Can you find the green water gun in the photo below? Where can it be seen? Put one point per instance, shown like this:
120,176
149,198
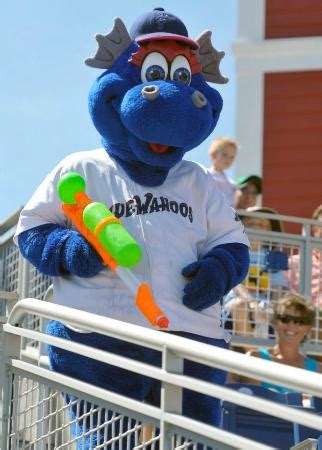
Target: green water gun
117,248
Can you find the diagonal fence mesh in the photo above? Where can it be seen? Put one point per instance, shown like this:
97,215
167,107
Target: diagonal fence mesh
40,417
277,266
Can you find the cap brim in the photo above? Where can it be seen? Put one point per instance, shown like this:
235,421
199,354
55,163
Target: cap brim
242,182
166,36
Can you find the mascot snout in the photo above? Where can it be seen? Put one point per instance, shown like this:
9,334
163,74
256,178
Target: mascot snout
185,118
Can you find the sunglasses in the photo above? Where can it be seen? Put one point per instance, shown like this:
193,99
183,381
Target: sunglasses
285,318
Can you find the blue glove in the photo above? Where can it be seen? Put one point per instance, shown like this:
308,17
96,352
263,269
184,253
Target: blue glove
55,250
79,257
214,275
276,260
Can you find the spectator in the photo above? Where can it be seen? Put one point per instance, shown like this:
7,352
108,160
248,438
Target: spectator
247,304
248,190
294,265
317,215
292,320
222,153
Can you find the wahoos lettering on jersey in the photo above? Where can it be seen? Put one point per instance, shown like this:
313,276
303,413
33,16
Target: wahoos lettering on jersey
151,204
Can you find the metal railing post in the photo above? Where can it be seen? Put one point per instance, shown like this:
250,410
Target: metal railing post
301,268
306,265
23,277
11,348
171,396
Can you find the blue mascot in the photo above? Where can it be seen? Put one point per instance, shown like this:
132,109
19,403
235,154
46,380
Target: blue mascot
151,105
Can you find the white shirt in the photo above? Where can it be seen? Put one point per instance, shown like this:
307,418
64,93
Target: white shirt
175,224
225,184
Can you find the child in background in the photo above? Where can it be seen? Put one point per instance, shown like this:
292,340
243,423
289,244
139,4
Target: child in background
222,154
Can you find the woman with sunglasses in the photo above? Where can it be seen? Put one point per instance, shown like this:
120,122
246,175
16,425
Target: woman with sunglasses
293,319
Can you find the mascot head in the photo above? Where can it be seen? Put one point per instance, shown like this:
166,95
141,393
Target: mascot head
152,104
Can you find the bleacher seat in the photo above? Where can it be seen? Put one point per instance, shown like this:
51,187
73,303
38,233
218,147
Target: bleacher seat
291,398
316,403
302,432
262,427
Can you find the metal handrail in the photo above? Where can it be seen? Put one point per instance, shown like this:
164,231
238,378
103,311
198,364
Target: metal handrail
297,379
180,348
282,217
258,404
10,221
143,411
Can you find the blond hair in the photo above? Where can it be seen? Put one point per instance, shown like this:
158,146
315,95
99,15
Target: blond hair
317,212
220,143
299,303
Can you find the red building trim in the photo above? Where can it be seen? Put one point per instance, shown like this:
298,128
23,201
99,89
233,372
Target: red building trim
293,18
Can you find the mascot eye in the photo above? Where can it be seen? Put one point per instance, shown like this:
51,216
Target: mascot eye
154,67
182,74
154,73
180,70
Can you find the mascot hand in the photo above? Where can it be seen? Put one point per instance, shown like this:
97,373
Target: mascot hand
56,250
79,257
214,275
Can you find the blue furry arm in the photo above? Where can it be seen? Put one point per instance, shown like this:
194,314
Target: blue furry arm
214,275
55,250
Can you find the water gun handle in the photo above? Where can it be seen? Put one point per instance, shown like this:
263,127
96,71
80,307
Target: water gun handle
93,221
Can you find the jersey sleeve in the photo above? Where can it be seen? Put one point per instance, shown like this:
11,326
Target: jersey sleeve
223,223
44,206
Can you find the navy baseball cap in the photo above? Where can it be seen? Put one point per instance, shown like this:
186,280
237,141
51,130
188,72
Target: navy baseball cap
159,25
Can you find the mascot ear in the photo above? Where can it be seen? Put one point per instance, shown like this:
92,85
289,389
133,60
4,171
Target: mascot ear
210,59
110,46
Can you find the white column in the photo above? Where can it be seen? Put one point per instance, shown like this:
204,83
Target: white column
249,89
249,123
251,19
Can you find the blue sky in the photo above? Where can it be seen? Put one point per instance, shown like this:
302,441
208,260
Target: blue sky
44,83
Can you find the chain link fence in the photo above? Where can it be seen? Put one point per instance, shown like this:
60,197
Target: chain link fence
41,417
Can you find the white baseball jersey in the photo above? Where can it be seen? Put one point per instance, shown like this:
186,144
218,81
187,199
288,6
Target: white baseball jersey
225,184
175,224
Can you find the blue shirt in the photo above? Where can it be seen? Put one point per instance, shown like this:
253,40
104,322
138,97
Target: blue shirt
310,364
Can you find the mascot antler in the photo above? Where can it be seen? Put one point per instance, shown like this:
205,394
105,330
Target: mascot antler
210,59
110,46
